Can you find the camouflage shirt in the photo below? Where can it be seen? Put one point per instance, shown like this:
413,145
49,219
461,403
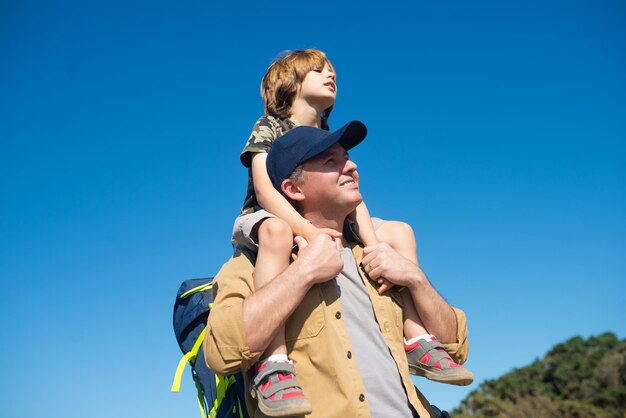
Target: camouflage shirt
266,130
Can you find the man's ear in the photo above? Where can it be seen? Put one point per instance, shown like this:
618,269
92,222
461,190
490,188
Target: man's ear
292,190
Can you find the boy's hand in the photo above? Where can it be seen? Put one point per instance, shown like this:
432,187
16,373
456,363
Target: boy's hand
384,285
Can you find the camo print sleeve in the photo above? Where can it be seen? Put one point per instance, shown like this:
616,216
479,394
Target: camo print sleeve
264,133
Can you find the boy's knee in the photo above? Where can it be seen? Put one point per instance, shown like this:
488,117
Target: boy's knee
401,238
396,233
275,232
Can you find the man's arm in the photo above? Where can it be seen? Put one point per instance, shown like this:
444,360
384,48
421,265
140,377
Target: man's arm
268,308
439,318
243,322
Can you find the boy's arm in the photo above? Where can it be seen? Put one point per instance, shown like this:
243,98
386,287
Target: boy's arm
273,201
365,227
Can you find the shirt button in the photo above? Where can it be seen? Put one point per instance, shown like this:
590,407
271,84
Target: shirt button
349,354
362,397
338,315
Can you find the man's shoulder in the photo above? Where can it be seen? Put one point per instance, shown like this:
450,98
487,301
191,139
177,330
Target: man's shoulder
241,265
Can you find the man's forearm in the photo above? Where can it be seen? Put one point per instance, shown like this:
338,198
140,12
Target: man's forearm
438,317
267,309
381,261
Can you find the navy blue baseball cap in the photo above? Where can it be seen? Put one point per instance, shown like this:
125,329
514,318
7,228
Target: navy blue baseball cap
305,142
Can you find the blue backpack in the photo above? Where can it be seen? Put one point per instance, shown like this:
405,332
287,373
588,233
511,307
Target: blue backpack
218,396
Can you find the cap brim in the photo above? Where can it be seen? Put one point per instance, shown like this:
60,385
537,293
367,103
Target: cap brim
351,134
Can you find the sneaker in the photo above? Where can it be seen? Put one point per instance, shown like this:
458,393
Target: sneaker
277,391
430,359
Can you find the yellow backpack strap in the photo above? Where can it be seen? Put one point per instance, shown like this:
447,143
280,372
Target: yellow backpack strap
191,355
221,386
201,402
240,410
187,358
197,289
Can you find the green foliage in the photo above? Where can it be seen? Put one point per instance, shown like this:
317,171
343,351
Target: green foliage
578,378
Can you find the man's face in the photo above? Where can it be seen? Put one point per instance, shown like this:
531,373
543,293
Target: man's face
331,182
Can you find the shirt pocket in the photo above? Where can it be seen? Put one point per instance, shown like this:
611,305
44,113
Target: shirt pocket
392,304
307,320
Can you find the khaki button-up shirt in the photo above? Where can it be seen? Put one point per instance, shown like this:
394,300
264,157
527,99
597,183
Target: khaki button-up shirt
317,341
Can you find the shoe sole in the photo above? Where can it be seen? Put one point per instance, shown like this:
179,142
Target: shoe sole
462,379
284,411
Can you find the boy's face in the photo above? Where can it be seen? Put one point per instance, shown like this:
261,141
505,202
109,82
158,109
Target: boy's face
319,87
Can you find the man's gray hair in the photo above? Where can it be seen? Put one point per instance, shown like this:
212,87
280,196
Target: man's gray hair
297,176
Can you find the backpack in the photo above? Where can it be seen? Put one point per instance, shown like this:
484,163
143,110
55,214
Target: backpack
218,396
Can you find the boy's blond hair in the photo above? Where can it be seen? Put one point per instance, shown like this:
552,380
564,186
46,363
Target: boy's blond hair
281,81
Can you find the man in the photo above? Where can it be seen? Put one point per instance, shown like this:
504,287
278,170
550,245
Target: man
345,339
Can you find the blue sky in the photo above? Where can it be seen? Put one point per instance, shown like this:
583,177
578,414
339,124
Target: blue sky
496,129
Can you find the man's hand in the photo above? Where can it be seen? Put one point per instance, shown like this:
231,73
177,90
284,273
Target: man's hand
320,260
384,264
267,309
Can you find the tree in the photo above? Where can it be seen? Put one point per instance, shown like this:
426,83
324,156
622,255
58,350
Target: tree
578,378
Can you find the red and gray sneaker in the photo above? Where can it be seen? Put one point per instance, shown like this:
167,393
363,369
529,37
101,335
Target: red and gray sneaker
277,391
430,359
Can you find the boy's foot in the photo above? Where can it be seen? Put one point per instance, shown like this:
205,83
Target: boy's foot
278,392
430,359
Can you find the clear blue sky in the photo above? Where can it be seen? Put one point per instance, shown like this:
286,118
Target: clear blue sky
496,129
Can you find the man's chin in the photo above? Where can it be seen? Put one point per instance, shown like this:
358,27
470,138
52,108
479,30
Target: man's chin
355,202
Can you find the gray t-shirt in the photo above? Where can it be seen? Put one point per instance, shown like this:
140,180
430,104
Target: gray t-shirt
383,385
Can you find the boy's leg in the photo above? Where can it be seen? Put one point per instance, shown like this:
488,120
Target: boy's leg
275,386
426,355
275,244
401,238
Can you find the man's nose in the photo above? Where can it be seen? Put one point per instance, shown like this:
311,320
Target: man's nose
350,166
